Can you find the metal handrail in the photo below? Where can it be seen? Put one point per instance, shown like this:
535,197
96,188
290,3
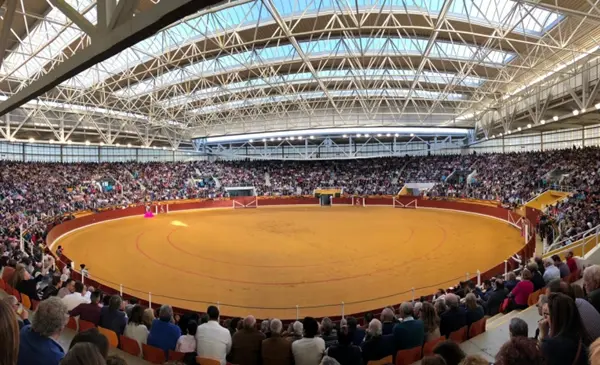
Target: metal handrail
578,240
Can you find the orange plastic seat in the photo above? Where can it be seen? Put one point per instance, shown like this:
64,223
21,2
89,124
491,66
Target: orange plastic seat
385,361
430,345
206,361
72,324
408,357
85,325
459,336
477,328
176,355
113,340
533,297
153,354
25,301
130,346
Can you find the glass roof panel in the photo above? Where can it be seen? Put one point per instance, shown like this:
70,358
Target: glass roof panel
320,48
326,76
364,93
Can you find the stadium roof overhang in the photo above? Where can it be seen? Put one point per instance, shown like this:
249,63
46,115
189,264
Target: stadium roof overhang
259,66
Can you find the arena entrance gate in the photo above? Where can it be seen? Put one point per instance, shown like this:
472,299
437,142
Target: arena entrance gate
326,195
242,196
411,204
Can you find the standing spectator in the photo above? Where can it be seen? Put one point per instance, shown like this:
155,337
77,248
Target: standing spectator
518,328
9,338
520,350
212,340
552,272
276,350
135,328
495,299
328,333
245,348
431,322
88,311
454,318
76,297
571,262
521,292
591,283
187,343
309,350
112,317
21,314
474,310
345,352
39,340
450,351
562,267
536,277
25,284
409,332
164,334
376,345
561,332
388,321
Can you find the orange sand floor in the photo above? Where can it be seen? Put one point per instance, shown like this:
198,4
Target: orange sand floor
266,261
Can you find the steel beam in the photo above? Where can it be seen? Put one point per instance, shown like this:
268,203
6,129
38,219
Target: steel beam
9,15
137,29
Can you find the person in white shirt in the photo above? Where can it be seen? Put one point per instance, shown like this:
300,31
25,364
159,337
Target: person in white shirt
187,343
212,340
74,299
135,328
310,349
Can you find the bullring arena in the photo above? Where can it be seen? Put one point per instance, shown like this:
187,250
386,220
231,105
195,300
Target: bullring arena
272,259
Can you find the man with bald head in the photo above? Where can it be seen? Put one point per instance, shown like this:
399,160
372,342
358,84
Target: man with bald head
410,332
454,318
246,343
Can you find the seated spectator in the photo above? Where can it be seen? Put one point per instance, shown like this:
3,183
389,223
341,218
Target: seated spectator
345,352
520,350
454,318
245,348
591,283
577,291
116,360
410,332
562,267
431,322
212,340
496,298
518,328
76,297
511,281
38,341
52,289
552,272
187,343
327,360
388,321
310,349
474,310
148,318
376,345
536,277
589,316
94,337
328,333
450,352
297,331
595,353
276,350
416,310
233,323
358,333
433,360
21,314
521,292
561,332
88,311
9,340
129,306
112,317
83,354
440,306
135,328
474,360
164,334
571,262
68,287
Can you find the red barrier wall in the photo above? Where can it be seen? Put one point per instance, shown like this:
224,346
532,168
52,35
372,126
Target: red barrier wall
498,212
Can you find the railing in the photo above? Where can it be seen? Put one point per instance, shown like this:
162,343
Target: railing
585,241
153,299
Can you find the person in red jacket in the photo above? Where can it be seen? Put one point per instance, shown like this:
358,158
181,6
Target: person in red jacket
571,263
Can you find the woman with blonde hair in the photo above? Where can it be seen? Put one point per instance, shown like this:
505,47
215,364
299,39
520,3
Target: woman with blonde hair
24,283
474,310
431,321
148,317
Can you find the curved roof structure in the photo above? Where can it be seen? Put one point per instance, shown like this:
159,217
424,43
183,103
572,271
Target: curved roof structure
251,66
